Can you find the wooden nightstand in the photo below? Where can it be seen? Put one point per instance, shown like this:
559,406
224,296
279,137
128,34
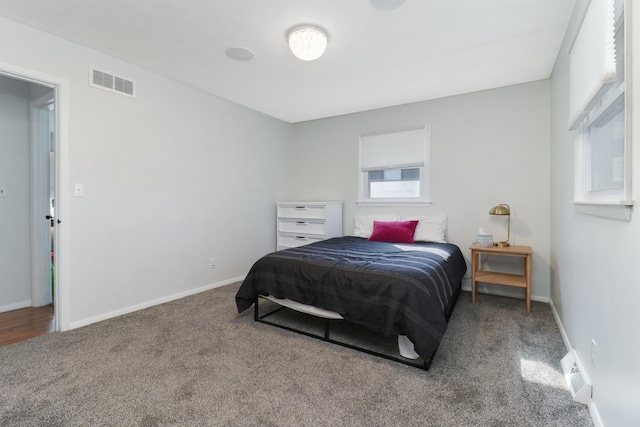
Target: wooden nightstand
507,279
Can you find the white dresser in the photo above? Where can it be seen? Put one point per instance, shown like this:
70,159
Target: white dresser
301,223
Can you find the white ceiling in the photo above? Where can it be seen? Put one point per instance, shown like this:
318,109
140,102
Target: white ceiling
424,49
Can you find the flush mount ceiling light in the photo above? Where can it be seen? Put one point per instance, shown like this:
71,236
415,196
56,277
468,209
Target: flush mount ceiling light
307,42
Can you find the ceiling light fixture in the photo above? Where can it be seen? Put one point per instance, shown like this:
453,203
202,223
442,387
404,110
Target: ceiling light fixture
307,42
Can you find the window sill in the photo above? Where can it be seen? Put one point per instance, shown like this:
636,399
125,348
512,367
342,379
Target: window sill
394,203
613,210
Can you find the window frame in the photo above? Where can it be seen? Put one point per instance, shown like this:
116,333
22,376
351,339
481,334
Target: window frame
613,202
424,166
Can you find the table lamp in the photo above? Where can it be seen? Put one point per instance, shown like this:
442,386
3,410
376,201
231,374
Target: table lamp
503,209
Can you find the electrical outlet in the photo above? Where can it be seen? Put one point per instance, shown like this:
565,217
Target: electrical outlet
594,354
212,263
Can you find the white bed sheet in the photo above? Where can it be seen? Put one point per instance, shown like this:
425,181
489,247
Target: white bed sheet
405,346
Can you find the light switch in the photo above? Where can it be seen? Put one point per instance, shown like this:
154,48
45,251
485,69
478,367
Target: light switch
78,190
3,191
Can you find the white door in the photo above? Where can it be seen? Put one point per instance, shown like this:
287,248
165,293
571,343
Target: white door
42,198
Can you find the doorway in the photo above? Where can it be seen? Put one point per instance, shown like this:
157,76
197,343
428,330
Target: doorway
30,296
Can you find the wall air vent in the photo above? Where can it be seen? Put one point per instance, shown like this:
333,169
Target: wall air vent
108,81
578,384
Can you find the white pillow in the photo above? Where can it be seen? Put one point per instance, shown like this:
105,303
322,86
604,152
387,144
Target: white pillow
364,223
430,228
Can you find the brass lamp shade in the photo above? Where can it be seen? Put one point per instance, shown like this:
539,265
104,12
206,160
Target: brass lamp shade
503,209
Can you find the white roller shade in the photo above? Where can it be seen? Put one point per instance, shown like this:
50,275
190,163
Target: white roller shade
393,150
592,61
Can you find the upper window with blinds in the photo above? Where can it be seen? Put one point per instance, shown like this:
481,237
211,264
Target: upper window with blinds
592,60
598,106
394,167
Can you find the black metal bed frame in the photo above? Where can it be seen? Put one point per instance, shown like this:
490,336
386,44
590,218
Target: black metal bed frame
425,365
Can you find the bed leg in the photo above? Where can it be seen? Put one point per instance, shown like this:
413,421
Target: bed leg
256,314
327,325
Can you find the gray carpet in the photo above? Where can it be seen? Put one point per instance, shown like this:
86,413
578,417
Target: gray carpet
196,362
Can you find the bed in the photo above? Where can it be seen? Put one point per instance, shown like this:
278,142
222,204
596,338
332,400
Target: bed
394,289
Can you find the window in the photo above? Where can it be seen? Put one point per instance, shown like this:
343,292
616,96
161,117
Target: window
394,167
602,157
394,183
605,138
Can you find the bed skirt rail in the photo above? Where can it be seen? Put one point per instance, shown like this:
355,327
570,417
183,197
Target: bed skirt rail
326,336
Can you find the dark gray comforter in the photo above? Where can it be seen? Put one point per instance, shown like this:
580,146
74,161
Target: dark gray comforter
395,289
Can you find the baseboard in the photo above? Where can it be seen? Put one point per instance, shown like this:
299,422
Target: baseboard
563,333
147,304
567,343
501,293
595,415
15,306
593,410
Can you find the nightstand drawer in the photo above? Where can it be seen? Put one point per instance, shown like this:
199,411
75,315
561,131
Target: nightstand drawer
301,227
293,241
301,211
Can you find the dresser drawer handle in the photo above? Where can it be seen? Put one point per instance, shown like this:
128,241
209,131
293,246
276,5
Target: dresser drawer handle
302,223
301,238
301,208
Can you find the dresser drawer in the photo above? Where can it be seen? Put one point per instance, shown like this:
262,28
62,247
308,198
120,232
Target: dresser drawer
301,211
302,222
301,227
293,241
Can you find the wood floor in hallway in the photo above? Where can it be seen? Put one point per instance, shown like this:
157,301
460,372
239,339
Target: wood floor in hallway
20,325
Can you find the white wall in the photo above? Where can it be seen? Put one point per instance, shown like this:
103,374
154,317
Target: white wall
172,178
15,246
595,282
487,148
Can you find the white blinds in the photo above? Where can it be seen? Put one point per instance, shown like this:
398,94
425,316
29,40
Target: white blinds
393,150
592,61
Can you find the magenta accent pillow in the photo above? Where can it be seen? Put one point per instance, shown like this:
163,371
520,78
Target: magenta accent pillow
393,232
